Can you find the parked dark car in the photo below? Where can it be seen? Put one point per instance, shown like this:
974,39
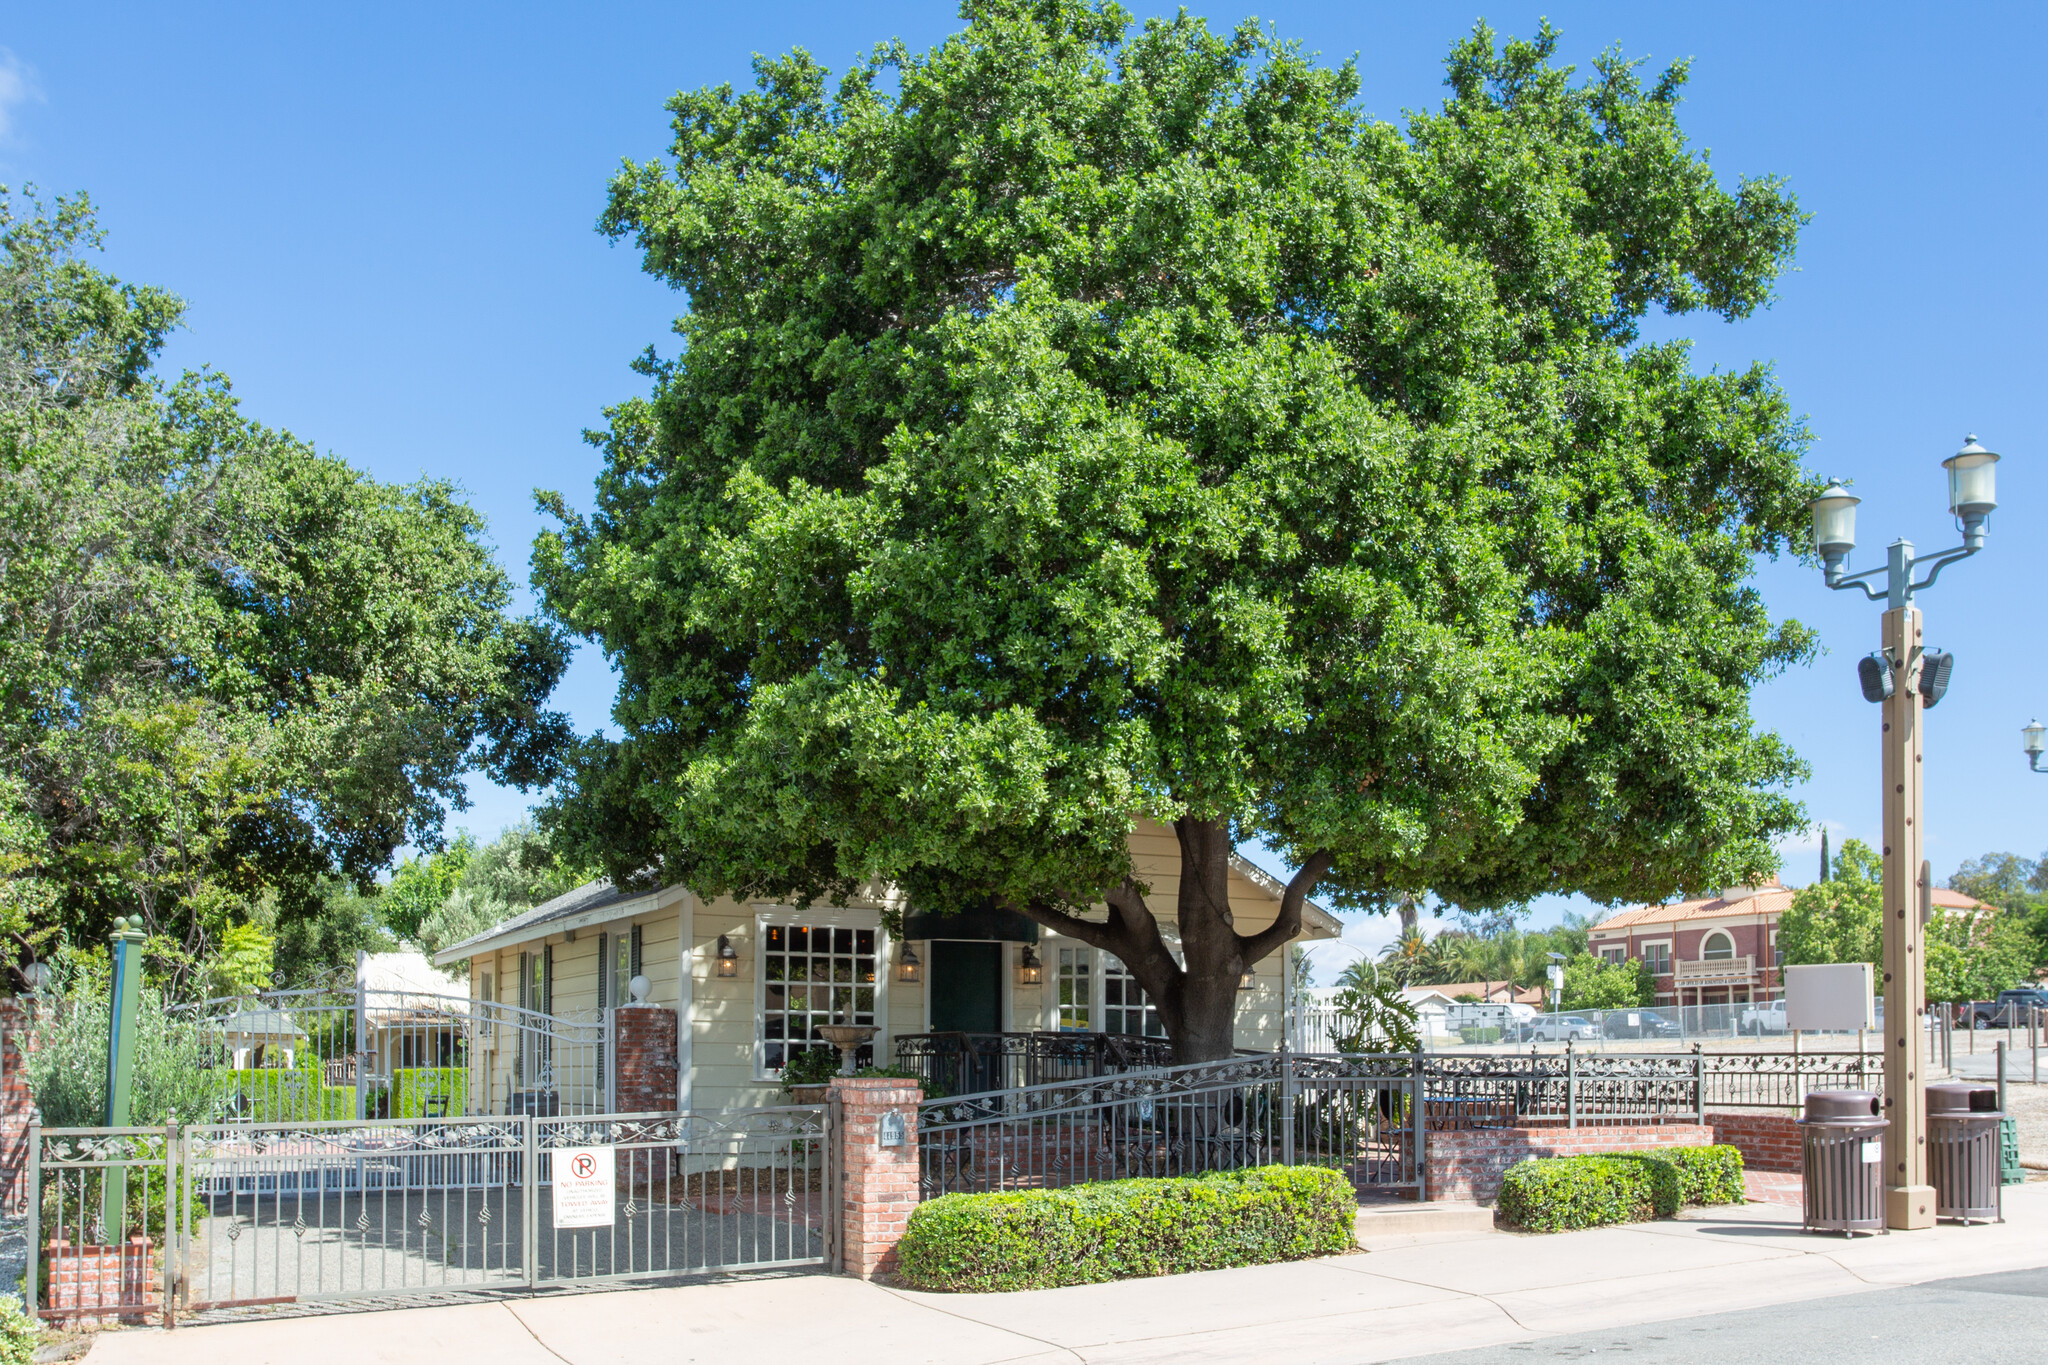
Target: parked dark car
2010,1009
1639,1024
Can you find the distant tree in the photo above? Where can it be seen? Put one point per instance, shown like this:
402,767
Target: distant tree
230,665
514,872
2012,883
1840,919
1593,983
1079,423
1974,956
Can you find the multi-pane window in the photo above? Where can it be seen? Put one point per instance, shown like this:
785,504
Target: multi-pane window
813,974
1076,984
1614,954
1658,958
1124,1006
1718,947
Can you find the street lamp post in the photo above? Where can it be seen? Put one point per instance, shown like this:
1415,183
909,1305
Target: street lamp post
1905,677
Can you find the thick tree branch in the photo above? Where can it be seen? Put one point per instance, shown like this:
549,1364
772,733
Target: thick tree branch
1072,926
1287,924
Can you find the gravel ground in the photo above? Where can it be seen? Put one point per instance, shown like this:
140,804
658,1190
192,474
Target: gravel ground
2028,1104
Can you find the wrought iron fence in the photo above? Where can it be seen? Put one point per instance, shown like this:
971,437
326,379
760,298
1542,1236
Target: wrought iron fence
143,1224
1357,1114
965,1063
327,1055
100,1204
1782,1080
696,1192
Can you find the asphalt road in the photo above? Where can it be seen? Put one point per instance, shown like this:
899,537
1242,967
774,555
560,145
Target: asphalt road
1984,1320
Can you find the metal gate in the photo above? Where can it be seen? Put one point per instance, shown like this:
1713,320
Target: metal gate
146,1224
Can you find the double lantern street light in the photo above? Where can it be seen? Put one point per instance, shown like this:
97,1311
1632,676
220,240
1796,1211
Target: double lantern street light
1906,678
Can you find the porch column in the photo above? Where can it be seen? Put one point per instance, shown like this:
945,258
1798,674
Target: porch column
876,1117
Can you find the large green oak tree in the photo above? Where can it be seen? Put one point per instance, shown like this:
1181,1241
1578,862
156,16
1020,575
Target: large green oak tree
1081,422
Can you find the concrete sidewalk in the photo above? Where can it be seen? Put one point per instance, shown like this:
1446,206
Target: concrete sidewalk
1402,1297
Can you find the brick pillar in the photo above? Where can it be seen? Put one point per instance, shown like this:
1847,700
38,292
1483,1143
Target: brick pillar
643,1059
877,1184
16,1104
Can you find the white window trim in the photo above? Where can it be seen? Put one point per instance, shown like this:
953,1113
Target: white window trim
1709,937
824,917
1664,943
1098,985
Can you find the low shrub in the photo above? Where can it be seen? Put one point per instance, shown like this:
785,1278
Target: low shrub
1556,1194
1707,1175
1559,1193
419,1092
1479,1035
19,1333
1120,1229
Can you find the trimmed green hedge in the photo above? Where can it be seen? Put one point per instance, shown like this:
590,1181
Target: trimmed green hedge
412,1087
1556,1194
1119,1229
1707,1175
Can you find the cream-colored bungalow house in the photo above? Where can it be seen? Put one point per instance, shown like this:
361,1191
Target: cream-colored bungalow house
751,981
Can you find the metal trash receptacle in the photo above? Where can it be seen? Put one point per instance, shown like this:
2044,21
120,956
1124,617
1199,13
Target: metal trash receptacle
1842,1152
1963,1122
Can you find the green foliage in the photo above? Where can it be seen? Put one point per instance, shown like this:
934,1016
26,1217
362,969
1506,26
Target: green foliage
514,872
243,962
414,1089
333,921
812,1066
1079,422
2018,886
1374,1016
1557,1194
1706,1175
284,1094
422,885
19,1333
67,1072
1592,983
229,664
1089,1234
1974,956
1840,919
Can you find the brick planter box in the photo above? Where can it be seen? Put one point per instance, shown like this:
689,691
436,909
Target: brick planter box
1768,1142
96,1285
1468,1164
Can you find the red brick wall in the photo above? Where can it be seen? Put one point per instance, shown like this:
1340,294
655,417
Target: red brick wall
1468,1165
16,1104
878,1185
1768,1142
96,1285
643,1059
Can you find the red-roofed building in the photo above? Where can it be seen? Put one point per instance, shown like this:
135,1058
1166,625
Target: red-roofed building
1722,950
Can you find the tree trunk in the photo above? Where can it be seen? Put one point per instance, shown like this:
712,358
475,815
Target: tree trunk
1196,997
1411,915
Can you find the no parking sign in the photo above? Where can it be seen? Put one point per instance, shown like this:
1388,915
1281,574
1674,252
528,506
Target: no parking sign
583,1187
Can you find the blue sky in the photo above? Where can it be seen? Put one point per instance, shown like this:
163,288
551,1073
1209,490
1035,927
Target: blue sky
382,216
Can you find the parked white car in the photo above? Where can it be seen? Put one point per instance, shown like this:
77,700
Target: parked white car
1557,1028
1765,1017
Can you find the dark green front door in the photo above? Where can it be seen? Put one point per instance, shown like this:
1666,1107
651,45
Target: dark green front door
967,987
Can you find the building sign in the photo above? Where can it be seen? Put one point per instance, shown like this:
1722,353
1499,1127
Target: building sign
583,1187
891,1134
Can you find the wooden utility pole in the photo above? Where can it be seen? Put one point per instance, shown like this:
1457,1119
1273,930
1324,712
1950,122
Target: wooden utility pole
1909,1199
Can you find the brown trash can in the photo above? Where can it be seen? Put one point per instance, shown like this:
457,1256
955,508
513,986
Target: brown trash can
1962,1151
1842,1151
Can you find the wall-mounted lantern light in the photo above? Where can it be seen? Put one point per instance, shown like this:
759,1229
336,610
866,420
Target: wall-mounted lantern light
1249,980
1029,970
908,968
728,958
